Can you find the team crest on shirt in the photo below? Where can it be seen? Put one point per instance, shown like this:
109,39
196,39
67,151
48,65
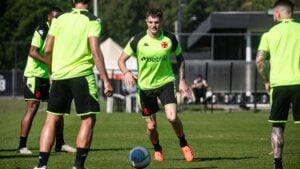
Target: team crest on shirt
164,44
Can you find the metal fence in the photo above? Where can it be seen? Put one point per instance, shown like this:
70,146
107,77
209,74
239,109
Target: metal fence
219,57
230,82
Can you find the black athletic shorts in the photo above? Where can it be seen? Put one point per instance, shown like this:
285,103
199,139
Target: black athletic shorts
82,89
36,88
282,98
148,98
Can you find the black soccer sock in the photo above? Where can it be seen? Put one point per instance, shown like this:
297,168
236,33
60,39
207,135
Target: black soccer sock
157,147
81,155
22,143
278,163
59,141
43,159
182,141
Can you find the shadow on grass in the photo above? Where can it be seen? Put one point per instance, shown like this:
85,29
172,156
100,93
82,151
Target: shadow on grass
197,159
293,152
15,150
8,150
111,149
192,168
17,156
222,158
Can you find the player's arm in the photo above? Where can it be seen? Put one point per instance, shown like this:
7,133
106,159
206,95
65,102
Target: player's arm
181,68
48,51
261,58
99,62
34,53
129,77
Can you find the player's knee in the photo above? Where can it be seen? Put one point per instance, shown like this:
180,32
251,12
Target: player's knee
88,120
151,126
33,106
172,117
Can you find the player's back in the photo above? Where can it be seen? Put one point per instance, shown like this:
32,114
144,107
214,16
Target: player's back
71,52
284,41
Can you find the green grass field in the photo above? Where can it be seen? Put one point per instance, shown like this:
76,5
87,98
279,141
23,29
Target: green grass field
219,140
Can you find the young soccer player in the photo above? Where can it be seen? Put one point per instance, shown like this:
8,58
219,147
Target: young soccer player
72,48
37,87
156,79
281,45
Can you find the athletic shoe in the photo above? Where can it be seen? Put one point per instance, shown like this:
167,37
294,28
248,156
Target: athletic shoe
187,152
65,148
158,156
44,167
24,150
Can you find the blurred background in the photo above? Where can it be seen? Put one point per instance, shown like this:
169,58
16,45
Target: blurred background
219,40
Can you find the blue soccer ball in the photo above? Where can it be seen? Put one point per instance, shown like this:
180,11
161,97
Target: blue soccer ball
139,157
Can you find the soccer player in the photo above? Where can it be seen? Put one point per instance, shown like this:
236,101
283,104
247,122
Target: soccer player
37,86
72,48
281,45
156,79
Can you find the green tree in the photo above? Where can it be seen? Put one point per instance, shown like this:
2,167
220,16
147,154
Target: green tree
121,19
17,25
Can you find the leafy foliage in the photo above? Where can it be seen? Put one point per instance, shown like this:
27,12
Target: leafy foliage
121,19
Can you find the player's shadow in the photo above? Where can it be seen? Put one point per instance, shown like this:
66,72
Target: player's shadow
18,156
8,150
192,168
293,152
222,158
218,158
9,154
111,149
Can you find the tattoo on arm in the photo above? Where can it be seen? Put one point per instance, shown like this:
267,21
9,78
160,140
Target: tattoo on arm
261,65
181,66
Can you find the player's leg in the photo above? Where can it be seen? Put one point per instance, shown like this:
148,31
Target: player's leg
168,99
149,105
295,104
176,123
36,90
277,140
84,139
154,137
32,107
59,103
280,104
60,145
86,100
47,138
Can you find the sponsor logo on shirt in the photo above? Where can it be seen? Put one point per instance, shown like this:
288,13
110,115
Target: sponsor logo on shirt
154,59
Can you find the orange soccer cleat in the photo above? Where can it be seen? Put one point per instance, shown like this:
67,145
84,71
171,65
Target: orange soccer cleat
158,156
188,153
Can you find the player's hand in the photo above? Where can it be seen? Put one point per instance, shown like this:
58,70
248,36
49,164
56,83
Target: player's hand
184,89
130,79
267,87
108,90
